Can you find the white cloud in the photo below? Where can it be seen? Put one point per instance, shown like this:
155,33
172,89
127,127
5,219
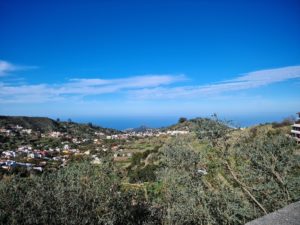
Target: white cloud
81,87
247,81
7,67
141,87
101,86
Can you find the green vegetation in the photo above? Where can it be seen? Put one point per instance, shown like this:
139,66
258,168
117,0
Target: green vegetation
213,175
44,124
37,123
182,120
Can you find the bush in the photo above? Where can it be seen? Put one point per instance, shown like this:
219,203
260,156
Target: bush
285,122
211,129
182,120
268,164
258,174
145,174
77,194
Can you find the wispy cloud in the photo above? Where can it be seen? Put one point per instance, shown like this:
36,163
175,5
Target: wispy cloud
246,81
102,86
75,88
142,87
7,67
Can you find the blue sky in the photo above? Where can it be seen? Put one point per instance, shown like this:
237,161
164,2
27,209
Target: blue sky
153,60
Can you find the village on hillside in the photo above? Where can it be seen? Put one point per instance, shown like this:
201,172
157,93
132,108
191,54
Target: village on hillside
36,151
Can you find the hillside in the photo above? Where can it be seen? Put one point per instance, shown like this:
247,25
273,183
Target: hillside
84,129
45,124
35,123
212,175
195,124
140,129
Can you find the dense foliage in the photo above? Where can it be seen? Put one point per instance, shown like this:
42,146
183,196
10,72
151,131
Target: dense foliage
216,175
78,194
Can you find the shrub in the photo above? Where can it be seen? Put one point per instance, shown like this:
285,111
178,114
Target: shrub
182,120
77,194
145,174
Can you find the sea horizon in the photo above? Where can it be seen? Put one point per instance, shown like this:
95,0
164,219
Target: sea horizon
123,123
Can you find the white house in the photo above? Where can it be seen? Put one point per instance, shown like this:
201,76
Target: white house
295,132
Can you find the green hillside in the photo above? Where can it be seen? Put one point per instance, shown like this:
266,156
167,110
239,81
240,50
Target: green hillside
45,124
212,175
35,123
199,123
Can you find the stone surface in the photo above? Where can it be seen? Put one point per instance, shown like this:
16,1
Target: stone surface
289,215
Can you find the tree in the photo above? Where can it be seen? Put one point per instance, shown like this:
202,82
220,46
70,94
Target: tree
78,194
182,120
180,189
144,174
285,122
211,129
268,164
190,198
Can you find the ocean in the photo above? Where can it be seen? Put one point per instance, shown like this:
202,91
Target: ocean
122,123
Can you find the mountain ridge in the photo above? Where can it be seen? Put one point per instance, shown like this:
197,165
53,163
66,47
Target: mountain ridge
46,124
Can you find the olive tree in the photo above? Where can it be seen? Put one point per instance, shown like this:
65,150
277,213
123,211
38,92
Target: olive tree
78,194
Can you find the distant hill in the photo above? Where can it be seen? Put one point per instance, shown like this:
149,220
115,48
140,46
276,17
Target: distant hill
140,129
86,130
45,124
35,123
196,124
